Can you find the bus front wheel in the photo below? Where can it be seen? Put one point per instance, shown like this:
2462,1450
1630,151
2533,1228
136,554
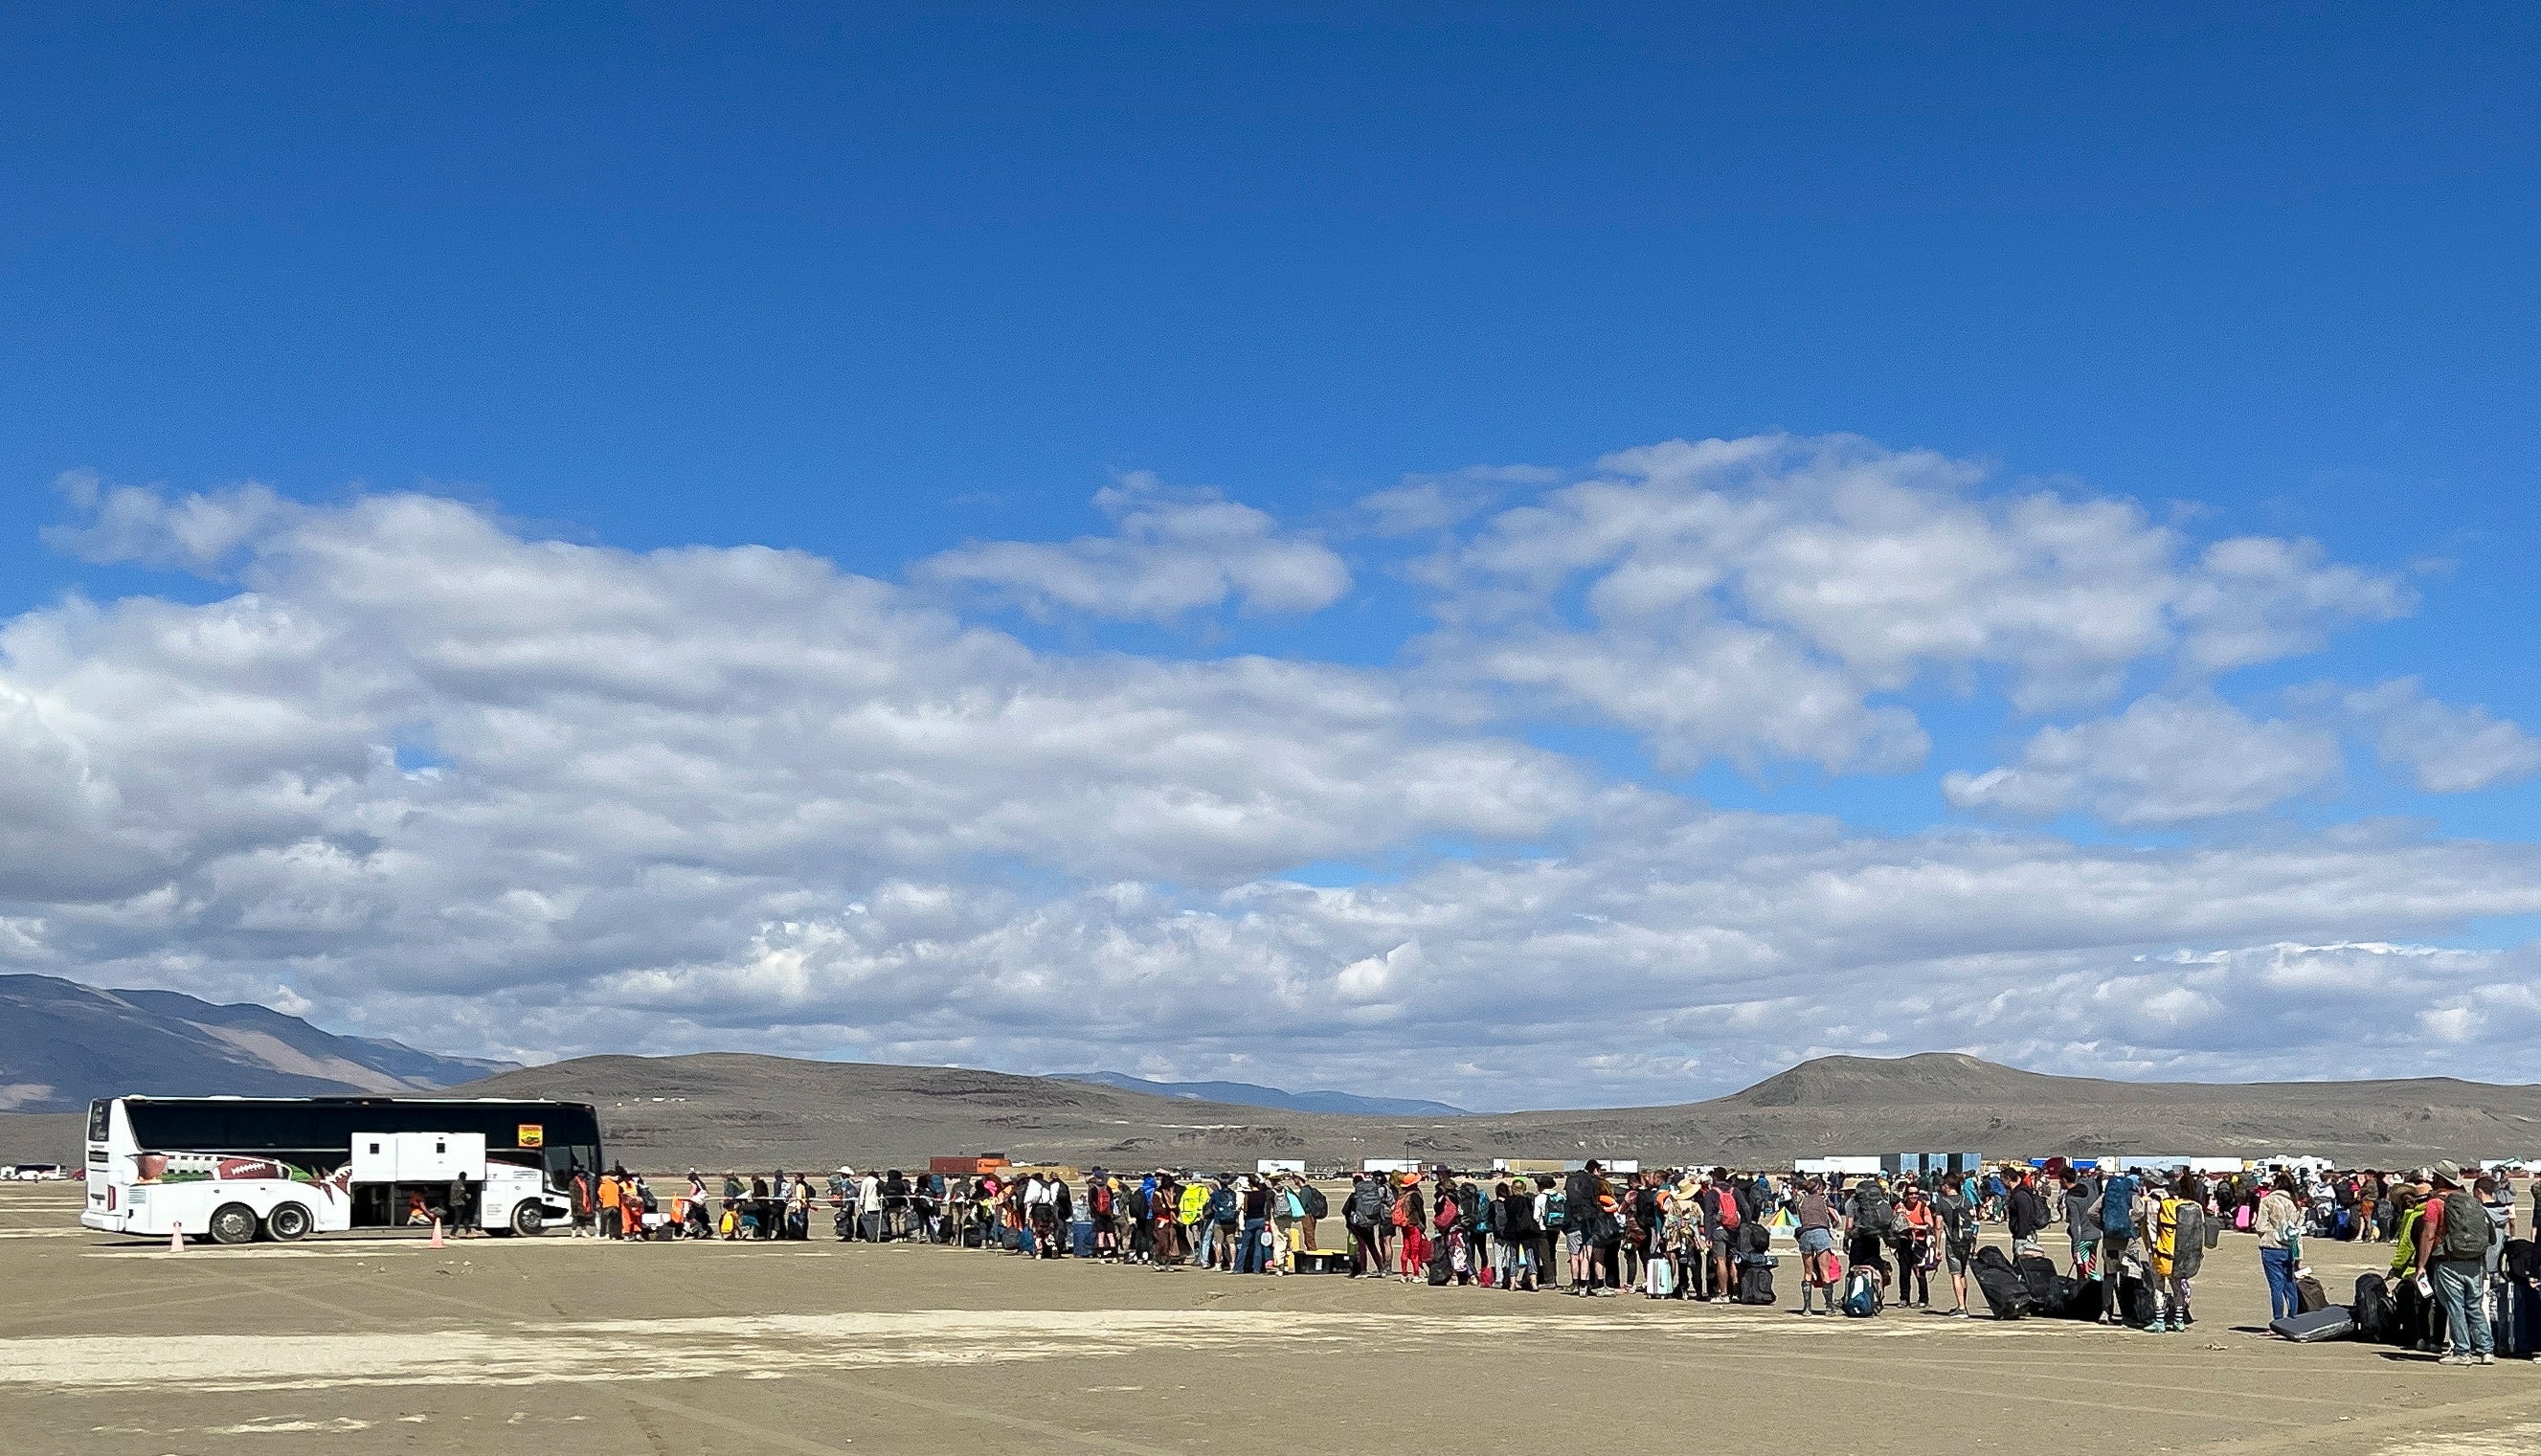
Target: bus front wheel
287,1221
528,1221
233,1223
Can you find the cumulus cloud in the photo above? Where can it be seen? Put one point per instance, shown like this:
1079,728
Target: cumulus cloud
1170,554
2448,750
1820,575
436,778
2163,760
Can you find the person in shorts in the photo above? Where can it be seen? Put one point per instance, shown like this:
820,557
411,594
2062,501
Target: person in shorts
1816,1238
1958,1219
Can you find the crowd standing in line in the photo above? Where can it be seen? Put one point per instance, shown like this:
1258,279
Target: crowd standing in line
2458,1277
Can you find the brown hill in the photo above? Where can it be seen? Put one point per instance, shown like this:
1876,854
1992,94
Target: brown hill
731,1110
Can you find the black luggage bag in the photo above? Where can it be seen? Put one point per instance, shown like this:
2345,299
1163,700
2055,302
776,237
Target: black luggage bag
2006,1292
2038,1271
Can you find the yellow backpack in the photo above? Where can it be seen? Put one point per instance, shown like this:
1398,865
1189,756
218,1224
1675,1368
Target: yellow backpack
2165,1236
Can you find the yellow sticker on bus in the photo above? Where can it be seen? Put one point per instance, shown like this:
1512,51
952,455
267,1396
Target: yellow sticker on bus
533,1134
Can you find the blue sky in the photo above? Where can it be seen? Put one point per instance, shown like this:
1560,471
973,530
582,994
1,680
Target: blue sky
893,292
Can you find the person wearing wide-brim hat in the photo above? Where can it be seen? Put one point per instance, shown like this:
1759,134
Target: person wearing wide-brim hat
2453,1235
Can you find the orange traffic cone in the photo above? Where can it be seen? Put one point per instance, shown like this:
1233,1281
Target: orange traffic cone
436,1235
175,1238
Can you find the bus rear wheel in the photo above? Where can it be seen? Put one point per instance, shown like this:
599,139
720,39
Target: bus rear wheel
528,1221
287,1221
233,1223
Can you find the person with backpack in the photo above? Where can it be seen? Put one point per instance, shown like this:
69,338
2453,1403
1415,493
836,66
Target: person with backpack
2025,1216
1449,1258
2453,1234
1411,1231
1365,1215
2179,1247
1721,1221
1916,1245
1870,1217
2113,1211
1550,1216
1956,1213
1578,1228
1311,1207
1816,1237
1473,1225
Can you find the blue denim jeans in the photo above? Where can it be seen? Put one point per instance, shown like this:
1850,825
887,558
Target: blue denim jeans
2458,1286
2284,1302
1247,1249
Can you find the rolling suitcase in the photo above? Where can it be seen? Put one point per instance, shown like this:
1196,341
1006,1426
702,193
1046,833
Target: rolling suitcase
2310,1329
2006,1292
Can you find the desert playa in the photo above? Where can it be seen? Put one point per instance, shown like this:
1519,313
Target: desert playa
501,1347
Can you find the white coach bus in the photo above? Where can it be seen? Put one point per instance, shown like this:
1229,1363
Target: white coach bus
233,1169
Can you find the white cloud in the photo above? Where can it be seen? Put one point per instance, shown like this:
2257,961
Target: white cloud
194,533
2448,750
1170,554
1435,502
2163,760
1797,581
738,798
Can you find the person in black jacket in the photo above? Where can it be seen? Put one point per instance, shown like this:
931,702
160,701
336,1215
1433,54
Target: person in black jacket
2025,1214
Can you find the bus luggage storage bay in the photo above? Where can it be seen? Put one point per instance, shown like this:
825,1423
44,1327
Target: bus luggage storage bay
234,1169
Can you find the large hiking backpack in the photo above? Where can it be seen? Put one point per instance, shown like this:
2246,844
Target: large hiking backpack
1755,1283
1556,1211
1874,1212
1317,1205
1755,1238
2466,1229
1469,1208
1728,1205
1861,1295
2373,1312
1367,1205
2006,1292
2118,1206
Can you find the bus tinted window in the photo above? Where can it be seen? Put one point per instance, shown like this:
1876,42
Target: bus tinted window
98,1121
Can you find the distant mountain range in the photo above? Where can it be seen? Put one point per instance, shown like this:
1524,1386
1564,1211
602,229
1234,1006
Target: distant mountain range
1248,1094
62,1044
